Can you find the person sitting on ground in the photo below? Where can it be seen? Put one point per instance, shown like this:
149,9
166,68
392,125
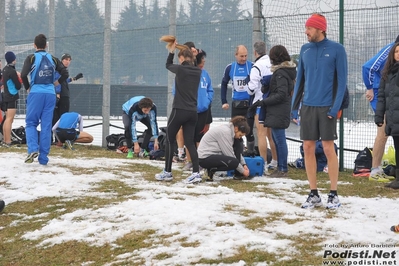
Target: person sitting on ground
143,109
66,133
217,150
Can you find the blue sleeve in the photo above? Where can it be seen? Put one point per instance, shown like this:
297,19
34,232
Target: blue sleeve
153,121
134,131
341,67
373,66
210,88
297,95
225,81
58,87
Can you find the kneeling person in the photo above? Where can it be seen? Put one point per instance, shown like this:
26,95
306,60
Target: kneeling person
65,130
218,150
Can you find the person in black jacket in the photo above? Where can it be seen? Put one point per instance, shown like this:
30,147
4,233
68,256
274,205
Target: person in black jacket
389,89
12,85
184,110
278,104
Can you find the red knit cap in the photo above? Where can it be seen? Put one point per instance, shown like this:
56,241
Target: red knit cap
317,21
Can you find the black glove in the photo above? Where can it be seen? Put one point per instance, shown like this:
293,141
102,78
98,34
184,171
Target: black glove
57,102
251,112
258,103
252,109
78,76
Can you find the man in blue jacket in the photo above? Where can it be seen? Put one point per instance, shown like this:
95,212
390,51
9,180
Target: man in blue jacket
40,67
320,85
371,71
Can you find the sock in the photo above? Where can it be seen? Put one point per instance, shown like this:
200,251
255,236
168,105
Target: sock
180,151
251,146
333,192
273,162
314,192
375,170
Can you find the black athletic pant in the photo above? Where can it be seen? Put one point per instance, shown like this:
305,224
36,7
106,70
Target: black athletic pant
199,128
127,124
243,112
187,120
223,162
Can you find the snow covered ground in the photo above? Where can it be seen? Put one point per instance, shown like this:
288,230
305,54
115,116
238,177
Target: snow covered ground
192,212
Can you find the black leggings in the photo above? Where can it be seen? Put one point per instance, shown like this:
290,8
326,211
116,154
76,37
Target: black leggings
223,162
62,107
199,128
187,120
243,111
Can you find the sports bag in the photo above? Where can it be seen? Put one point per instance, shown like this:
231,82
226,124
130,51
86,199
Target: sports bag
363,163
114,141
18,135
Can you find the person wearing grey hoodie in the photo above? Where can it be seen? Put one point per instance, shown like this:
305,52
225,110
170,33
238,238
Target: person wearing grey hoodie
218,151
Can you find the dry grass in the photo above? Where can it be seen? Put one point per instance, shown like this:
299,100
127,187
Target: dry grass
22,217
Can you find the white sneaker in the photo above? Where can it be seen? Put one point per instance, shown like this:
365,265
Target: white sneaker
272,165
266,170
332,202
164,176
312,201
194,178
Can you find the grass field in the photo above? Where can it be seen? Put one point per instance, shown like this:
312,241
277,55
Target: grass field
95,207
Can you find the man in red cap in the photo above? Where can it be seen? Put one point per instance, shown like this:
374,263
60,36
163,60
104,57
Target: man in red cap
320,85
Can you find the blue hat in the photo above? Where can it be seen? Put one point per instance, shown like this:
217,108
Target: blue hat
10,57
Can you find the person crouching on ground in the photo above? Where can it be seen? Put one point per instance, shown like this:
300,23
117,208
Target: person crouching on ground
218,151
66,133
143,109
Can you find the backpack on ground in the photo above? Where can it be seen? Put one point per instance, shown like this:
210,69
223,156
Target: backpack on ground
18,135
157,155
162,138
160,153
43,69
321,158
114,141
363,163
389,156
390,170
